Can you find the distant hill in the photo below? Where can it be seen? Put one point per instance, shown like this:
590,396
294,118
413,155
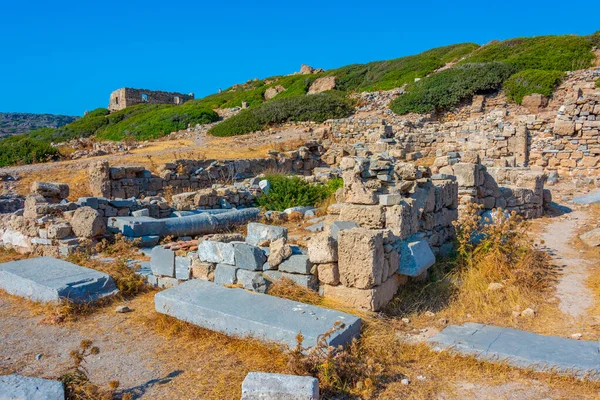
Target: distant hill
17,123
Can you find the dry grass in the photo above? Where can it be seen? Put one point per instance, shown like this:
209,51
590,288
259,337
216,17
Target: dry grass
288,289
74,172
458,289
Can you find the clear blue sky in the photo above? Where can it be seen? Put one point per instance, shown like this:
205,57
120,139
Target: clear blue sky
65,57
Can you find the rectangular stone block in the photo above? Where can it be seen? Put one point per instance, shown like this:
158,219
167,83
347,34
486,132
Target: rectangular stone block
389,199
226,274
47,280
308,281
241,313
373,299
415,257
402,219
521,349
322,248
467,174
216,252
248,256
162,262
296,264
366,216
183,268
360,257
259,232
261,385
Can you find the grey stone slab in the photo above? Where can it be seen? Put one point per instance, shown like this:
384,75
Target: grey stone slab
521,349
338,226
216,252
237,312
265,386
308,281
183,268
13,387
415,257
248,256
136,226
47,279
162,261
225,274
258,232
296,264
589,198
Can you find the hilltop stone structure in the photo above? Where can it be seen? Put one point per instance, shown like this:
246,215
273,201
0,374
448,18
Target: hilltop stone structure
125,97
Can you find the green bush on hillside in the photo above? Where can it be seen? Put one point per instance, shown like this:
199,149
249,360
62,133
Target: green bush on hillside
293,191
531,81
385,75
317,108
154,122
83,127
447,88
24,150
550,53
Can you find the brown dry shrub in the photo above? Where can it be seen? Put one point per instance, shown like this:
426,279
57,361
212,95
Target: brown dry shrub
76,381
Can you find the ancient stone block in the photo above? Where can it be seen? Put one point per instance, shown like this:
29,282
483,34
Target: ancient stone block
373,299
563,127
364,215
216,252
328,273
322,248
402,219
87,222
360,257
248,256
467,174
260,232
225,274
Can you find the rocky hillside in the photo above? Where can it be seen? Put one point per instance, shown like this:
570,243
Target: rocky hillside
18,123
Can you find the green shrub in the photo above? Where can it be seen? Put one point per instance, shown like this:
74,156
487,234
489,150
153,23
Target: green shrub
598,83
24,150
447,88
532,81
334,184
154,121
317,108
139,122
293,191
385,75
550,53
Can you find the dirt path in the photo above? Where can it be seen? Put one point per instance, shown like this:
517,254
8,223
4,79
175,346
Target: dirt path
558,236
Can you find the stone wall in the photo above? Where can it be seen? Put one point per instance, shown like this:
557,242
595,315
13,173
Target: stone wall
125,97
502,134
512,189
182,176
395,218
50,225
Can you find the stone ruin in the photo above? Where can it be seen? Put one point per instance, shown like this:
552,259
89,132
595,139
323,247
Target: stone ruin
125,97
